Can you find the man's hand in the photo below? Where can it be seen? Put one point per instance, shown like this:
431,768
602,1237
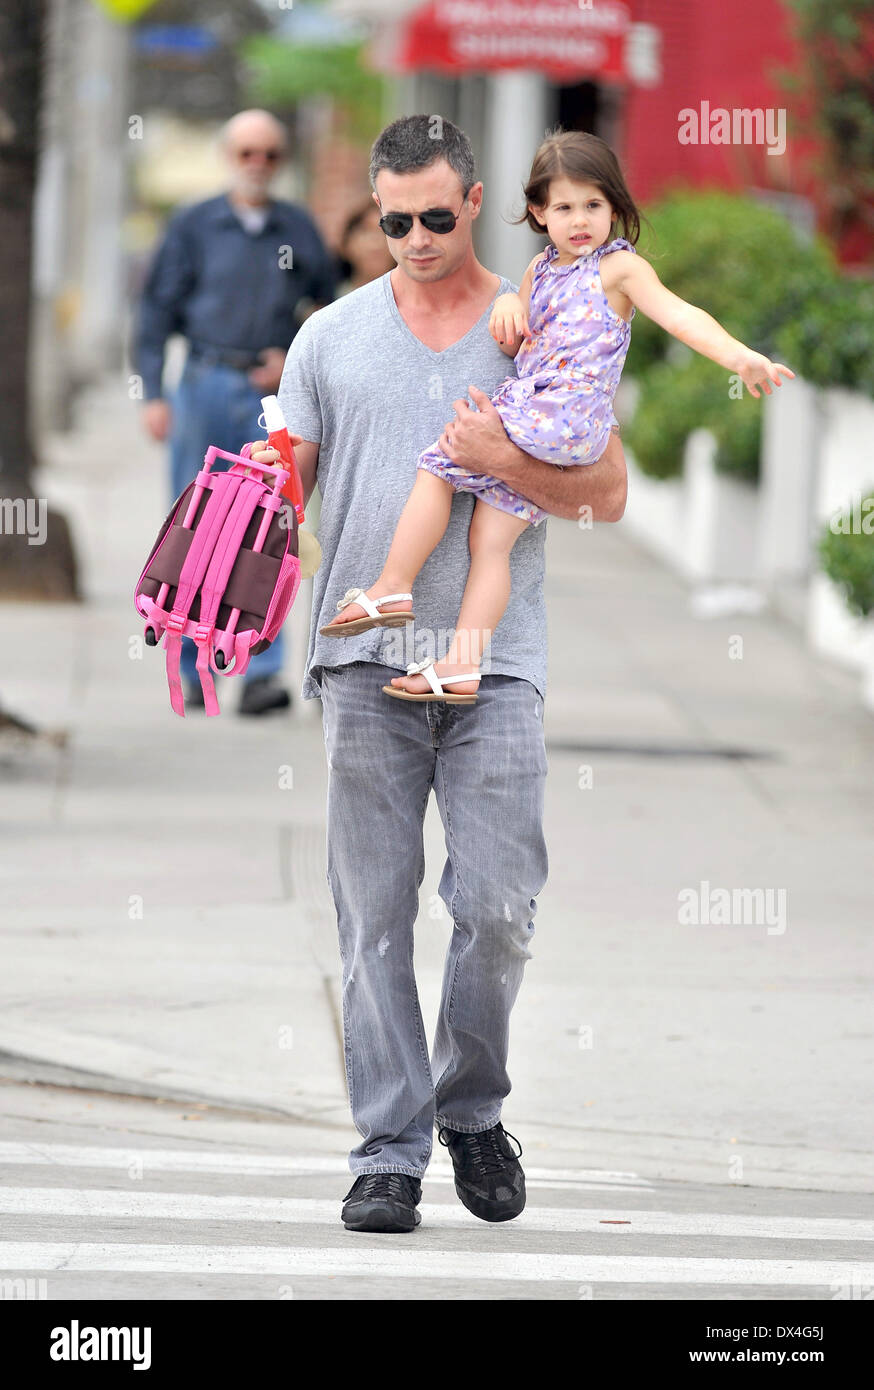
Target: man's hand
611,478
157,418
261,451
268,377
476,439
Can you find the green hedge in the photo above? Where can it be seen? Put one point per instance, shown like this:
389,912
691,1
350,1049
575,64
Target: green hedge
734,257
280,73
743,263
847,557
676,399
833,336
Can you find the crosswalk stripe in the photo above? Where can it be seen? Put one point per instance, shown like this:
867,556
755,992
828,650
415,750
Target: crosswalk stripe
427,1264
254,1165
185,1206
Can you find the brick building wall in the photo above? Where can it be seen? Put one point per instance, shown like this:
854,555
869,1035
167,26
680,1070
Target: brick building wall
729,60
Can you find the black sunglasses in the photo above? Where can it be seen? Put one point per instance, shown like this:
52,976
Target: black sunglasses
439,220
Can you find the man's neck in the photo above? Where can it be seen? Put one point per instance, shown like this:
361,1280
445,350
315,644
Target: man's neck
469,282
240,200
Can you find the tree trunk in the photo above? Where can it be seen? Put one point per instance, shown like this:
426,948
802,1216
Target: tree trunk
30,567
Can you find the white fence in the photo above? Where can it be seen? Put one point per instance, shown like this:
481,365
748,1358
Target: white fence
817,455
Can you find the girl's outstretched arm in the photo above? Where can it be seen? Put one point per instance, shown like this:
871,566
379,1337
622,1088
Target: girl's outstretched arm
634,277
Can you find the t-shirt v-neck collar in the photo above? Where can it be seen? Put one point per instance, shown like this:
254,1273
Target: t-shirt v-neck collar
405,327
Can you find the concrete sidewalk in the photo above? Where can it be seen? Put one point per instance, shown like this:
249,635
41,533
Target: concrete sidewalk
167,929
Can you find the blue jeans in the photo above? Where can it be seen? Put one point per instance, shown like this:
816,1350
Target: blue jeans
214,405
487,765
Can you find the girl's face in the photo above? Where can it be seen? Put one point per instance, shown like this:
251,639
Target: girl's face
577,216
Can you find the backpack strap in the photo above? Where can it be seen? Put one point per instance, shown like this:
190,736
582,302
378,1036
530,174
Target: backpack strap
215,580
223,492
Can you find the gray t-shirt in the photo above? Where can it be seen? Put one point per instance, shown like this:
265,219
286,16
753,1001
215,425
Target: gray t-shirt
360,384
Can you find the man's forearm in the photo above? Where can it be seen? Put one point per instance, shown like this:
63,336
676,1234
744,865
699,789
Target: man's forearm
565,491
149,359
150,342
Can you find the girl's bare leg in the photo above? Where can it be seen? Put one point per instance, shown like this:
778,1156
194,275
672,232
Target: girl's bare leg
493,533
420,526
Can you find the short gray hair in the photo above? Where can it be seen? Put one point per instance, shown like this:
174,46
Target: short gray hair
414,142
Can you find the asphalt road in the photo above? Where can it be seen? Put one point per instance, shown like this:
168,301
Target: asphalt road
103,1197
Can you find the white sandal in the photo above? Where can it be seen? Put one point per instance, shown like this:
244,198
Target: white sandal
371,606
426,669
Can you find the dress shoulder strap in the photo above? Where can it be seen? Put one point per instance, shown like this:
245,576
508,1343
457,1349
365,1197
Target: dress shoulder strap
546,258
618,243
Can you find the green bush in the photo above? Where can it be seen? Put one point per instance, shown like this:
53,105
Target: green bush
830,93
676,399
832,336
281,73
734,257
847,557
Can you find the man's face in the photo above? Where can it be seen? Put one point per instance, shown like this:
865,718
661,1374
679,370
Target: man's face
254,153
422,255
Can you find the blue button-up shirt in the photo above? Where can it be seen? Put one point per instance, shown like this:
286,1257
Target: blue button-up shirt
220,285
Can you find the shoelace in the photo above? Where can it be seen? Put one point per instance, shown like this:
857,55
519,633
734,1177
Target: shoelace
392,1185
484,1148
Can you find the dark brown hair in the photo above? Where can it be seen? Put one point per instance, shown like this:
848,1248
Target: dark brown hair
355,219
574,154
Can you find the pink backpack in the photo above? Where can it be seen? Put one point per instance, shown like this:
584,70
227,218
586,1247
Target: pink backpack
224,570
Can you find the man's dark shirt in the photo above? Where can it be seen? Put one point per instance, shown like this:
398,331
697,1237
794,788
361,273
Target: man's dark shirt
220,285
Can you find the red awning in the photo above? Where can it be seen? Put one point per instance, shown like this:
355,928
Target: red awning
561,38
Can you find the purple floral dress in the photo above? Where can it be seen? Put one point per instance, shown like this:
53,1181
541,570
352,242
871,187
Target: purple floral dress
559,407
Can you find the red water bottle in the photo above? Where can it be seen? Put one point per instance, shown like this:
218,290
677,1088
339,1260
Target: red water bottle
277,435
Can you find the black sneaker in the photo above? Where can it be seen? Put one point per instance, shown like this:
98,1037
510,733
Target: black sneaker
382,1202
488,1175
261,695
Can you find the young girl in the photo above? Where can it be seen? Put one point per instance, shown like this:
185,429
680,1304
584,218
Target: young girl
568,330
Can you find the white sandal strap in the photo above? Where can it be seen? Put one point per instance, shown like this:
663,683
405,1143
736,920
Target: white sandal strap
437,683
369,605
391,598
426,668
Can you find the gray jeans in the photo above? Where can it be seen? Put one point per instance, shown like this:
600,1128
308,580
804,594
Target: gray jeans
487,765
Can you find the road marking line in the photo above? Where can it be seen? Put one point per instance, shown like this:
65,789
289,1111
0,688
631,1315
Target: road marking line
218,1161
426,1264
185,1206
